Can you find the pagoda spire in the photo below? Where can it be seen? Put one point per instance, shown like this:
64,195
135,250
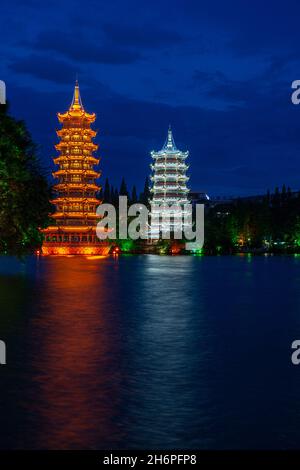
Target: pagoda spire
76,101
169,143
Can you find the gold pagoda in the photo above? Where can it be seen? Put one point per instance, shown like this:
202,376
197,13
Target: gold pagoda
74,222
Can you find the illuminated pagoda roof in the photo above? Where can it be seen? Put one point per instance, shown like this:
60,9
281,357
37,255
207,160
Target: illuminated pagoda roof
169,147
76,109
76,101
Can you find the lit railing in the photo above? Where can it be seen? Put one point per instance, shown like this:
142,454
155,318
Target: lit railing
163,188
166,154
71,158
71,200
62,144
169,200
170,177
166,165
67,214
83,186
77,171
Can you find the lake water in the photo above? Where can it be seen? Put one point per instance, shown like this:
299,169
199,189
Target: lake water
150,352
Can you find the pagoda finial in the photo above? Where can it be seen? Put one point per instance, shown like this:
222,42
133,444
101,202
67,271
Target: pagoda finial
76,101
170,143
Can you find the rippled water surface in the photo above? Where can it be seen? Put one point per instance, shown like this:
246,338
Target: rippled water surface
150,352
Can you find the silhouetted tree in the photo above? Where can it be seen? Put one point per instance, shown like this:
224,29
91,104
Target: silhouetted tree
283,193
115,197
145,195
107,193
134,195
123,188
276,197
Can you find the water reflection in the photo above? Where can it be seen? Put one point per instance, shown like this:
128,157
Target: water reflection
168,350
149,351
74,397
117,357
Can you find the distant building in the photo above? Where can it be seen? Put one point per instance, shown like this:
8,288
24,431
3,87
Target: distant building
198,197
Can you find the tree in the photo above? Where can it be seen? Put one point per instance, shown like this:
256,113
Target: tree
107,192
276,197
114,197
134,195
24,190
145,195
283,193
123,188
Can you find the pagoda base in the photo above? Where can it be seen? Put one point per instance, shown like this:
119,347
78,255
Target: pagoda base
65,249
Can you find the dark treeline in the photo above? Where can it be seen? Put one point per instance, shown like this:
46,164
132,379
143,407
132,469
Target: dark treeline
267,223
110,194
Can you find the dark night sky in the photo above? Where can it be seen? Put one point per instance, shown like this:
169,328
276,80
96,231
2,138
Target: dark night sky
220,72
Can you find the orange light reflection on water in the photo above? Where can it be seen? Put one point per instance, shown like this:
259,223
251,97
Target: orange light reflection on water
76,372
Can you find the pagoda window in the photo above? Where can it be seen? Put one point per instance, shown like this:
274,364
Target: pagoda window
75,178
